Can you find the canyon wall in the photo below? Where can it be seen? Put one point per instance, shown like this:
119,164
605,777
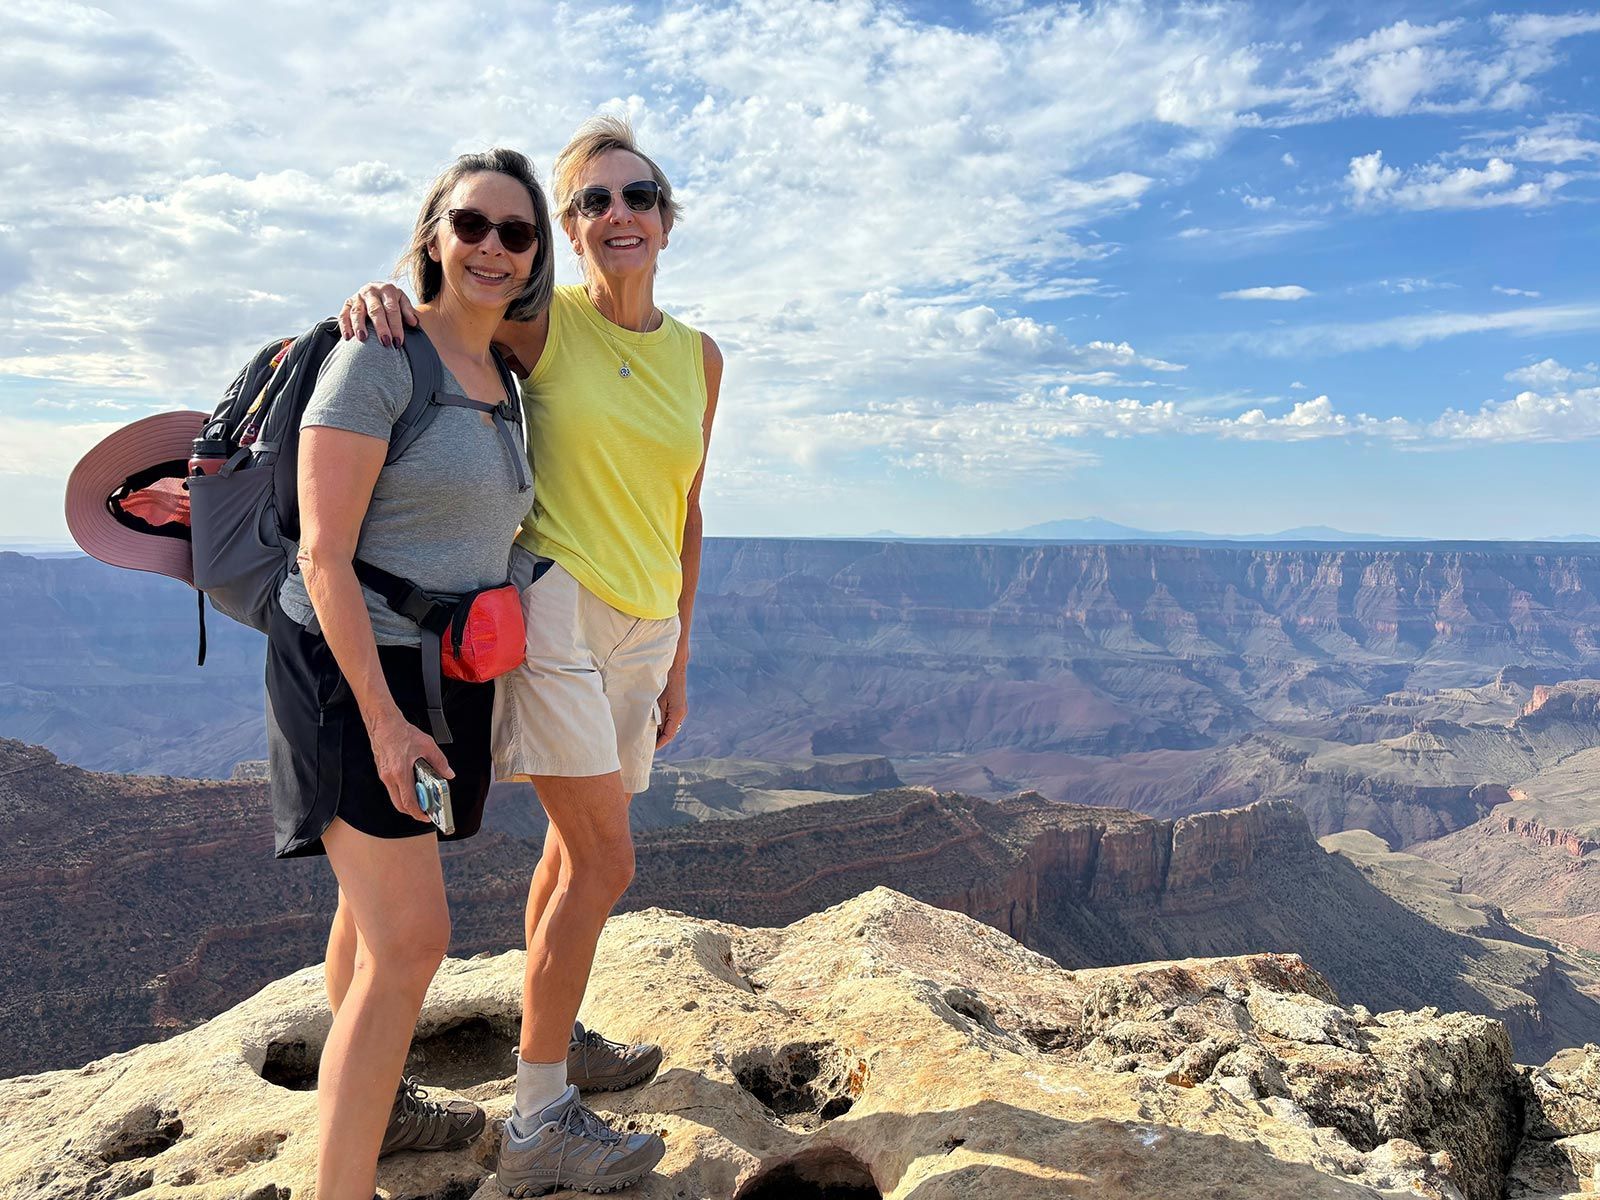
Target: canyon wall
133,907
810,647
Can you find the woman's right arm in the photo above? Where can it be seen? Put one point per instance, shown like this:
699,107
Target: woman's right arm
337,471
391,313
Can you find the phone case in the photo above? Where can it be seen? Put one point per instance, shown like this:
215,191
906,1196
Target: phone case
433,795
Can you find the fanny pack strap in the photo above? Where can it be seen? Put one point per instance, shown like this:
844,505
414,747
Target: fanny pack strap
433,615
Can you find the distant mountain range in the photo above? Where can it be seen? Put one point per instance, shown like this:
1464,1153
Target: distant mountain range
1098,529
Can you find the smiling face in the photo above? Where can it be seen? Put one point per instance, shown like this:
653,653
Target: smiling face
619,242
484,275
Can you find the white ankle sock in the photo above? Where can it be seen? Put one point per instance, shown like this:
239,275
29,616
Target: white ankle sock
538,1086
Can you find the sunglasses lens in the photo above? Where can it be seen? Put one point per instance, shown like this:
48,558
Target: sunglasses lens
517,236
471,227
641,196
593,201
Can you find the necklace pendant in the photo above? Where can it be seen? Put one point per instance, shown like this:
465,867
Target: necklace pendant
623,371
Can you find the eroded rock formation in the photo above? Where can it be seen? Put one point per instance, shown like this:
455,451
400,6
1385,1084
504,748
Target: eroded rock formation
884,1048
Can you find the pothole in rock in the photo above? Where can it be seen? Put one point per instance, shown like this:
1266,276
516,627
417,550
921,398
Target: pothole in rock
828,1173
1049,1040
144,1133
456,1189
291,1064
803,1084
964,1002
464,1056
457,1058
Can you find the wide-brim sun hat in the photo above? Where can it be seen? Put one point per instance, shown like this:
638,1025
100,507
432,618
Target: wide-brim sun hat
136,474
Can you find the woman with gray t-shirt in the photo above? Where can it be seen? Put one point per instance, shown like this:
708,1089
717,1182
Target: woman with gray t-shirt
347,707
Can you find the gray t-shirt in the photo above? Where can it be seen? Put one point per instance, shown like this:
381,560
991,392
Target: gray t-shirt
442,515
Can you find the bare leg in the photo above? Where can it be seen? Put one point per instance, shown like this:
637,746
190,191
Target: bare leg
545,875
340,964
589,820
543,884
394,890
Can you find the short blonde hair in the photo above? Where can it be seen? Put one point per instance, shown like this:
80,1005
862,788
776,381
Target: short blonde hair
601,134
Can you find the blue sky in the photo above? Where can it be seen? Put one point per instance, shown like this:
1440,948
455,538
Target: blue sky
1230,267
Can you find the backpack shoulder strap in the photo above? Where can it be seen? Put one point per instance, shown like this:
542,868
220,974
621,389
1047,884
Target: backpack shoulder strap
427,381
428,395
512,385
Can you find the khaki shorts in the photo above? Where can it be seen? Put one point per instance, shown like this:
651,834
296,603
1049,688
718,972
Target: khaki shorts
583,702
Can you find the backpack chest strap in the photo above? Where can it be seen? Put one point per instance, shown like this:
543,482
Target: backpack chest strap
502,426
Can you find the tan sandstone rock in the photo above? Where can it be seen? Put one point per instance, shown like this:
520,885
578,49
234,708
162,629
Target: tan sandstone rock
882,1046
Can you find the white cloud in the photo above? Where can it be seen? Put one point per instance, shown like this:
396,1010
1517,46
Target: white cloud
1405,68
1527,417
1391,68
898,151
1408,284
1308,420
1549,375
1557,139
1372,183
1297,386
1120,354
1511,291
1244,236
876,203
30,446
1539,27
1291,291
1415,330
1052,430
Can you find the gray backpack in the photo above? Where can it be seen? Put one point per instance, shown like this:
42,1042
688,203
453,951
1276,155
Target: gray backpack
245,514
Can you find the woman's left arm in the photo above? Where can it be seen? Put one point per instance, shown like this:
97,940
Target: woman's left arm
674,702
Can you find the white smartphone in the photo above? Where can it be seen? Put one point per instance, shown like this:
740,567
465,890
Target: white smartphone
433,794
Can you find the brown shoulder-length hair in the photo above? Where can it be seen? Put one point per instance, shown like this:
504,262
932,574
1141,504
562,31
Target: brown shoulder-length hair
427,276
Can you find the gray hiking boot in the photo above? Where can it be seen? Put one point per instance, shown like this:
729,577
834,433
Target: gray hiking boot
573,1148
597,1064
417,1123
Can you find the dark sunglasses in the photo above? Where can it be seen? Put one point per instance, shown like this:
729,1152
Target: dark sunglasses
472,227
595,201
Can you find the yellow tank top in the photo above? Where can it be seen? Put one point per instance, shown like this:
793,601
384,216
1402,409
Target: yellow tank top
614,456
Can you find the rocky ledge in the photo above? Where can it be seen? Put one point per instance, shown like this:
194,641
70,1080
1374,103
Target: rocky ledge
882,1048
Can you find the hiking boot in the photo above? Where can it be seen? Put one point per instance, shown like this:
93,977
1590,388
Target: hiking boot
417,1123
573,1148
597,1064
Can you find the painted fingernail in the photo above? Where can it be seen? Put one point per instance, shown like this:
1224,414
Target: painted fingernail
383,339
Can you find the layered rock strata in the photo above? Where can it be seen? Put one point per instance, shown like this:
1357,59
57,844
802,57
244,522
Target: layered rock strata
810,647
1095,886
157,903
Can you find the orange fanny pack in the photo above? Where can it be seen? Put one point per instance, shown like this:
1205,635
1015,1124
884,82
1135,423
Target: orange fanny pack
474,636
486,637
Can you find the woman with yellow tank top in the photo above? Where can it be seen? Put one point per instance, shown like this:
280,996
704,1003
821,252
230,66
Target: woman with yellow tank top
620,398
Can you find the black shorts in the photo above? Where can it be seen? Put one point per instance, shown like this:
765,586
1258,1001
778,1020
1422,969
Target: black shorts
321,760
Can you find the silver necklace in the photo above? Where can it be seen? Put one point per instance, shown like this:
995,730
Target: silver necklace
624,371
